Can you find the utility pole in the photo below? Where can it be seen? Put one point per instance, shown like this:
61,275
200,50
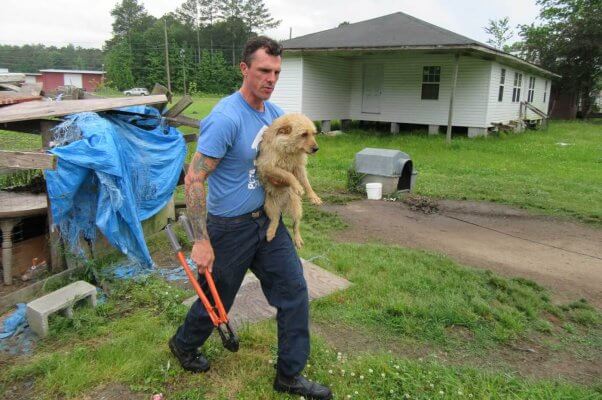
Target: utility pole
183,60
167,57
290,33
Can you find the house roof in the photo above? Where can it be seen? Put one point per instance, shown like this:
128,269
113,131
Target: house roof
396,31
73,71
391,30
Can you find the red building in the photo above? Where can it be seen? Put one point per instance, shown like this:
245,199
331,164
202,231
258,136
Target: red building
87,80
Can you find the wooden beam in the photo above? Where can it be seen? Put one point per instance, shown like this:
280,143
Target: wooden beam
27,160
29,126
42,109
57,256
179,107
192,137
10,86
160,89
184,120
451,99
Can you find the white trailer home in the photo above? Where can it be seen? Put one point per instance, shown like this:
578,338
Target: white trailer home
400,69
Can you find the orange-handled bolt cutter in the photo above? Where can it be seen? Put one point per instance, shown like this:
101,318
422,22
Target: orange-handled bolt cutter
217,313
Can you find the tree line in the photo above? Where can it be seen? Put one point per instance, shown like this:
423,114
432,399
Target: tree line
32,58
566,40
204,42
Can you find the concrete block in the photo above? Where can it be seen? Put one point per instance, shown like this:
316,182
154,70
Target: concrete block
61,300
345,124
474,132
394,127
433,129
326,126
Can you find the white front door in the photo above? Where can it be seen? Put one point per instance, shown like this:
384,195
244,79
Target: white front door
73,79
372,88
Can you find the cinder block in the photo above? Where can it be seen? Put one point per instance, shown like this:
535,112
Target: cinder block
62,300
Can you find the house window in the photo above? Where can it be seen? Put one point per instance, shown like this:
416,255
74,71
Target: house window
500,95
518,82
531,92
545,91
431,77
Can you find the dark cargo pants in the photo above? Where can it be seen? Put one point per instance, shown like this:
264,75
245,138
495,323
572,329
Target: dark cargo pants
239,244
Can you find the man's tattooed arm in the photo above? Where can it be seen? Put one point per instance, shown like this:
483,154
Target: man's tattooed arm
196,198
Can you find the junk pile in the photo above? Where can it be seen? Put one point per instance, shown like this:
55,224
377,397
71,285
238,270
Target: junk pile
114,170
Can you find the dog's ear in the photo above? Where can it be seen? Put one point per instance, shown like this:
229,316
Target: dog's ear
284,130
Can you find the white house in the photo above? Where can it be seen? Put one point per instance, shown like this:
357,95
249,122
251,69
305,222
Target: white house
400,69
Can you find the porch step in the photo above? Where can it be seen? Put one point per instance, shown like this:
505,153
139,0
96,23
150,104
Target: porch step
62,300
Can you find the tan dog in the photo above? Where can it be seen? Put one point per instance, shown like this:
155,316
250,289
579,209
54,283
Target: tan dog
282,157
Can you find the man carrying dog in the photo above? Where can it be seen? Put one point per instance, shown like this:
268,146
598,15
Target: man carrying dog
230,226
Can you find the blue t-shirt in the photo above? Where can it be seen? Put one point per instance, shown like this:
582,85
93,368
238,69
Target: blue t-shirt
232,132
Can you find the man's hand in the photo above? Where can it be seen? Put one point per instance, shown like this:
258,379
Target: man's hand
202,255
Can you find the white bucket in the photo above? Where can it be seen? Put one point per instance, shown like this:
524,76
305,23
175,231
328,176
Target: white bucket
374,190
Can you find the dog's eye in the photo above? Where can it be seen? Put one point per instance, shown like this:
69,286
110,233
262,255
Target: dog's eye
304,134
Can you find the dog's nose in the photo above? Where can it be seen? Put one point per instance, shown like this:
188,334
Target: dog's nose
315,149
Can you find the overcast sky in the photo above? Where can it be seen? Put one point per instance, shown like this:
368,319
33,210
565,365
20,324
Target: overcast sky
87,23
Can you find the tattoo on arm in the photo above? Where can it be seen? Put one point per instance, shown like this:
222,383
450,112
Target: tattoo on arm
196,195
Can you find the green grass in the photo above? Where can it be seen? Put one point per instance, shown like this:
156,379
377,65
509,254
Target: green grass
527,170
397,294
407,296
425,297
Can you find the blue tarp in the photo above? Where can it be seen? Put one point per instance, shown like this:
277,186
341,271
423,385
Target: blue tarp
14,321
113,172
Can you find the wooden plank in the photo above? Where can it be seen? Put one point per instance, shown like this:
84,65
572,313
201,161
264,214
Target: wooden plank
7,98
33,89
42,109
12,77
57,259
179,107
160,89
193,137
184,120
29,126
10,86
27,160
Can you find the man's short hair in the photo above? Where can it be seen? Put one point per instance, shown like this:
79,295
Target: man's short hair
271,47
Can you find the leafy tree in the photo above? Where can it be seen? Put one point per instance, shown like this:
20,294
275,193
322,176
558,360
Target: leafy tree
257,17
198,14
500,32
567,42
129,17
119,66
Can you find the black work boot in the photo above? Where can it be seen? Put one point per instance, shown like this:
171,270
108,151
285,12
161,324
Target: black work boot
193,362
300,386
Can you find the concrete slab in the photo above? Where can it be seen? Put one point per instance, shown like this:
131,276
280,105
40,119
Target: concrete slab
251,306
62,300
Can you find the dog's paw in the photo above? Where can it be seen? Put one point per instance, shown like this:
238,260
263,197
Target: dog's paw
270,235
298,189
315,200
298,242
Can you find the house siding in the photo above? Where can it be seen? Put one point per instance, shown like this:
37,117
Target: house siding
288,92
506,111
326,88
402,88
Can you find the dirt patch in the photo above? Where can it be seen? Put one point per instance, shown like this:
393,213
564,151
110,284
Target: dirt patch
564,256
115,391
525,358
